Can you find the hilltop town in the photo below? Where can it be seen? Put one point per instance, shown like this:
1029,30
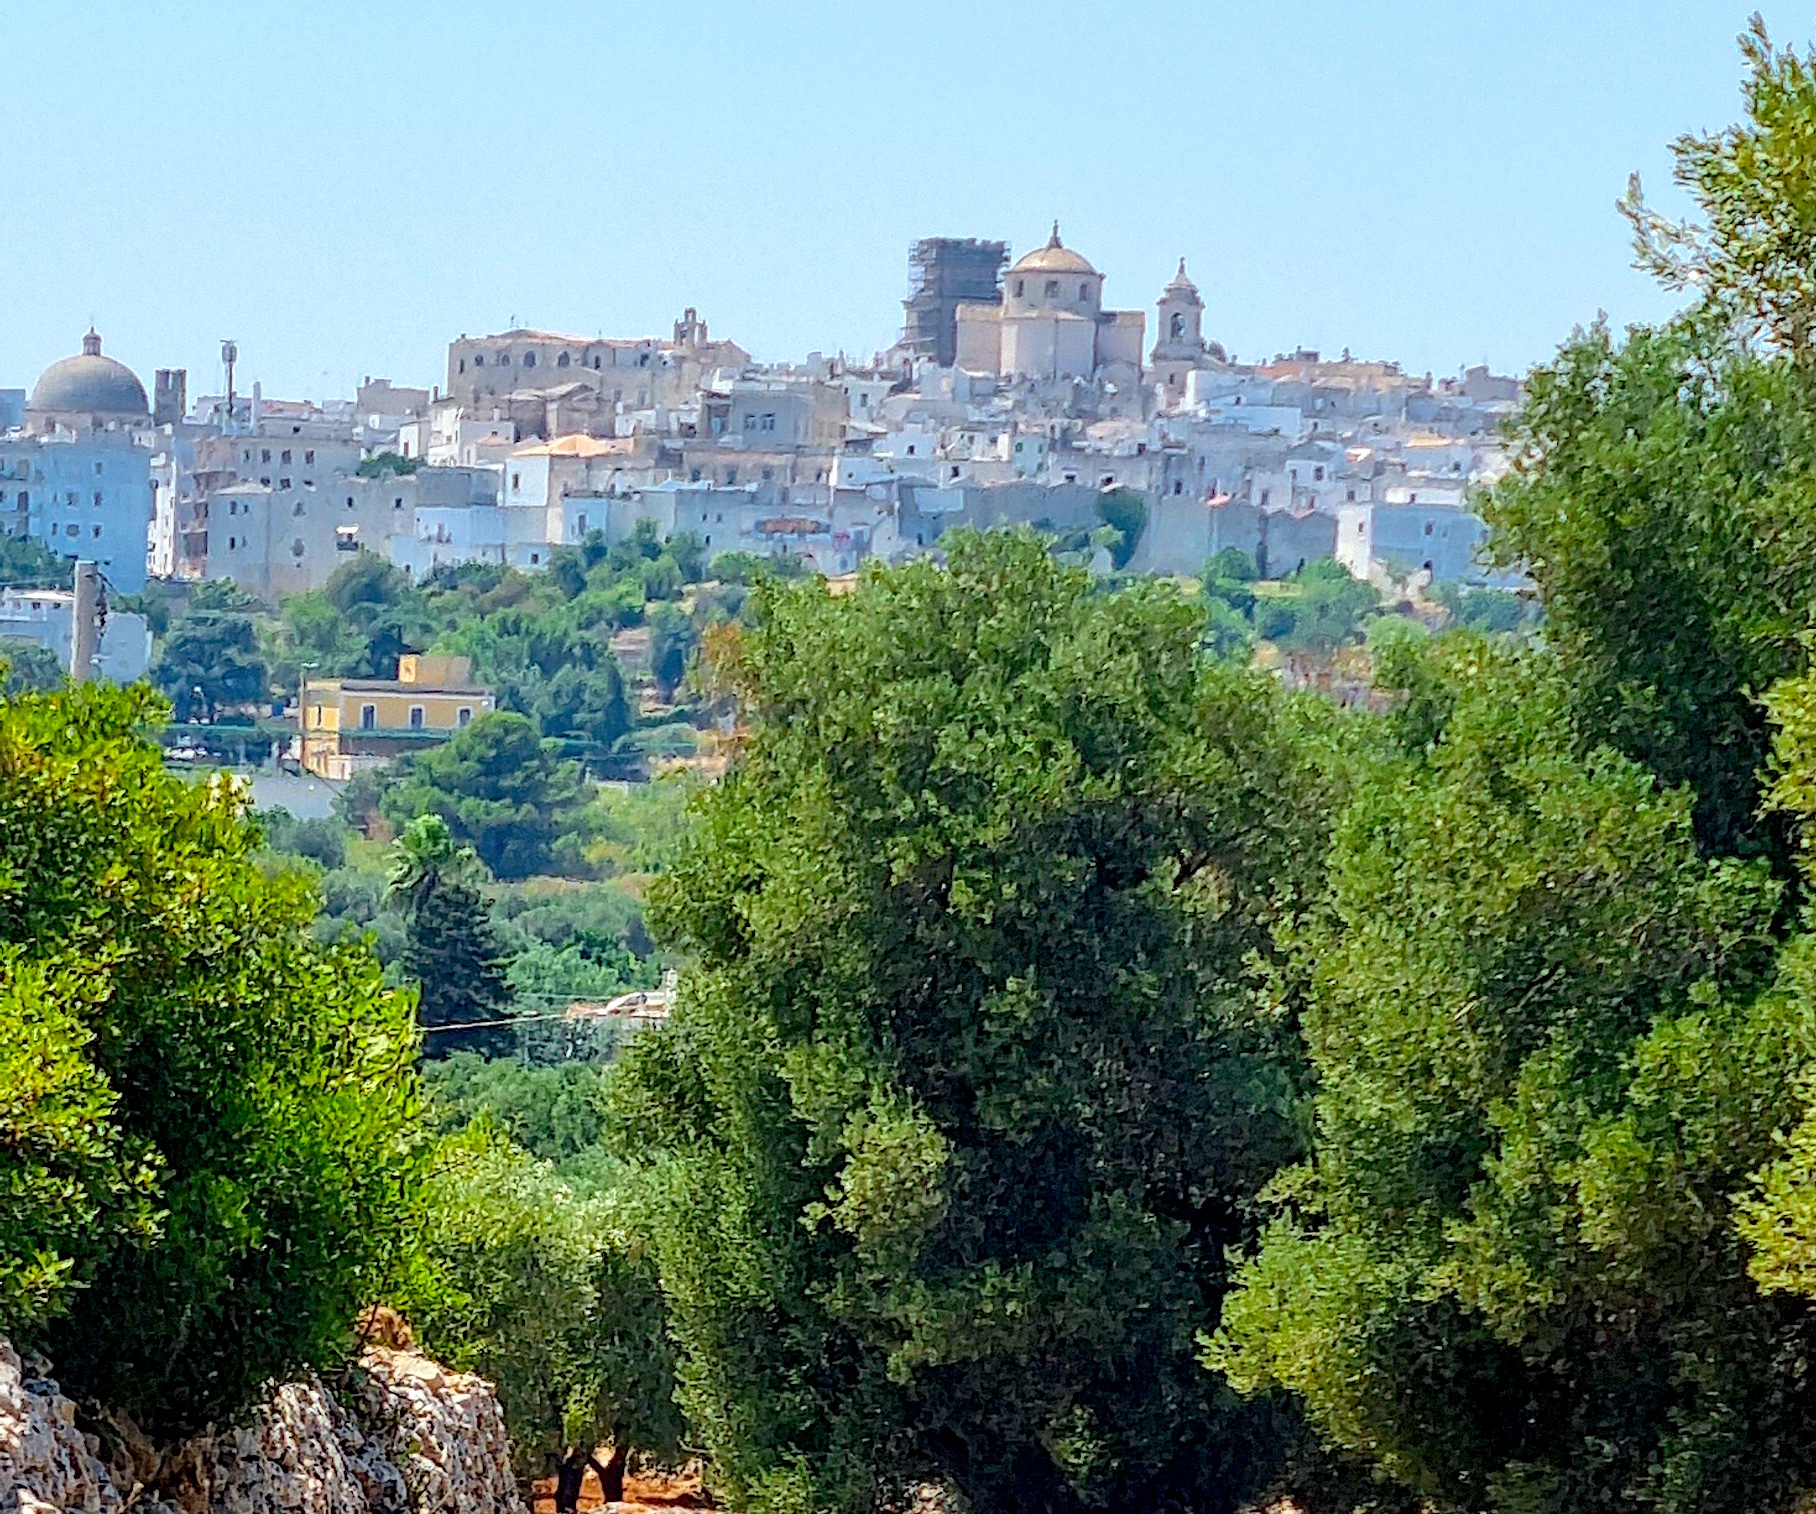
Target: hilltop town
1014,396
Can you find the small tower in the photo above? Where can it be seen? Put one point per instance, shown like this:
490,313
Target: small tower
1180,347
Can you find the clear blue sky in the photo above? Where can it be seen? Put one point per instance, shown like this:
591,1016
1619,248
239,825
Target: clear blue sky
344,186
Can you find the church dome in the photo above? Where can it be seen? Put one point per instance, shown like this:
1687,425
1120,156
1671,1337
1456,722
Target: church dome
89,384
1055,257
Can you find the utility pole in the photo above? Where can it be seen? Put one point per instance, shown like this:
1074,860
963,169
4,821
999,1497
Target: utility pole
82,628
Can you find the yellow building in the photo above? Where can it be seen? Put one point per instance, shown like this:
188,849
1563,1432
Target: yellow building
350,724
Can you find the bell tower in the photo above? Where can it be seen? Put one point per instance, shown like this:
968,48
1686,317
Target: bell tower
1180,345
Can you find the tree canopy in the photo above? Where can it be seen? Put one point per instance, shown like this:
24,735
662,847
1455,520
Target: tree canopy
210,1122
967,1098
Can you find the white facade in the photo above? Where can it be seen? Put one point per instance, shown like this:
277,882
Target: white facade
87,497
46,618
1398,540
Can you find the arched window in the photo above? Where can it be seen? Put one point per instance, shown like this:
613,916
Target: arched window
1018,289
479,361
529,360
1177,327
562,361
1053,289
1084,291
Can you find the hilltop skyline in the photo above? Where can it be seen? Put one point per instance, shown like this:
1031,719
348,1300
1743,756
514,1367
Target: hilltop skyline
344,194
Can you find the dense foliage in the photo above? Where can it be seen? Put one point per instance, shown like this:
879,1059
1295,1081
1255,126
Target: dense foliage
207,1122
547,1292
450,952
967,1097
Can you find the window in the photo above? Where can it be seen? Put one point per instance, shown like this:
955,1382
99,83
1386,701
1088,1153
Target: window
265,482
562,361
264,454
25,498
504,360
535,558
479,361
97,499
297,508
1264,495
368,717
516,482
580,524
1176,327
1179,486
1018,289
465,717
349,501
285,456
309,456
1428,528
283,483
529,360
463,365
233,543
296,547
346,538
1352,500
1084,292
731,475
416,709
398,503
97,533
595,360
97,470
1317,475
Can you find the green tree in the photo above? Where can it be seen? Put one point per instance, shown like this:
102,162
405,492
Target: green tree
585,704
210,1123
1748,260
30,667
548,1293
450,951
966,1098
28,563
499,789
1550,1042
672,642
551,1112
1664,489
1126,512
211,661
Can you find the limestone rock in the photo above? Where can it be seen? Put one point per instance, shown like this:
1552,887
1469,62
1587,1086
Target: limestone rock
410,1438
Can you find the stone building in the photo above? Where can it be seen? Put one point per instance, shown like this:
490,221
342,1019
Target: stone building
1180,348
1051,323
87,393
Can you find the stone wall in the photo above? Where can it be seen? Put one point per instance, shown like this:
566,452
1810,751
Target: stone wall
400,1436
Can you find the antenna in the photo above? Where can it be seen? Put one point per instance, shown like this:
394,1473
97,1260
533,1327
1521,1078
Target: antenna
230,354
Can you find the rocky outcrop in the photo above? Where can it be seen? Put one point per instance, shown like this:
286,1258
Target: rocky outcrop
400,1436
47,1465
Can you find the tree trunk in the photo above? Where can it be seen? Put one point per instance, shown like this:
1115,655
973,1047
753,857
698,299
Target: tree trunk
569,1475
611,1475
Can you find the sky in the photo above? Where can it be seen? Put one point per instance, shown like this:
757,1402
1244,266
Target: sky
344,187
